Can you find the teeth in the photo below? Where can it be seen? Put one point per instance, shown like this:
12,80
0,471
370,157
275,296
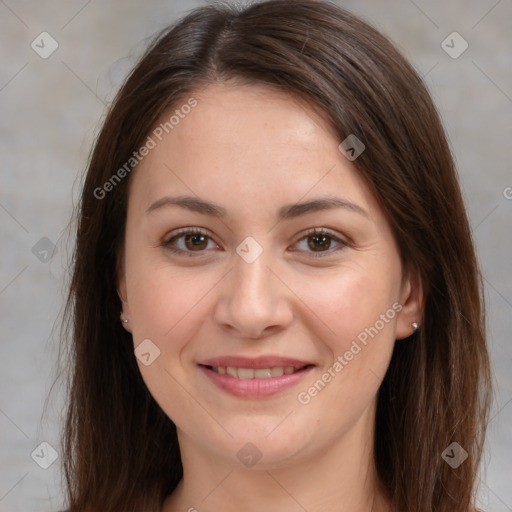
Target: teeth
245,373
232,371
254,373
261,373
276,372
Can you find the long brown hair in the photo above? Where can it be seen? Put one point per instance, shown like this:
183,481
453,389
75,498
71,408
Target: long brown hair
120,450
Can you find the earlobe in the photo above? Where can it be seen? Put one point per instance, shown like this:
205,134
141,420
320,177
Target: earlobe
124,315
122,293
412,301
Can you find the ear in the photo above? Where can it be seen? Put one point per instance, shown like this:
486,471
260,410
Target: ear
412,301
122,292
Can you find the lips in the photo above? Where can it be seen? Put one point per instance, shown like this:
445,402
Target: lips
263,367
256,362
255,377
254,373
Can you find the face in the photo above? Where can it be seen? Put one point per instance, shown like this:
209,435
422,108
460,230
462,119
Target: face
263,283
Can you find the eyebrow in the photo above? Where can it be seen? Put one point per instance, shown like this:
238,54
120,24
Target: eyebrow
290,211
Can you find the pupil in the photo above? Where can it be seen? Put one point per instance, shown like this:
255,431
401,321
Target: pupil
196,241
319,242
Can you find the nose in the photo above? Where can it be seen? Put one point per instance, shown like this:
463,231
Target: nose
253,303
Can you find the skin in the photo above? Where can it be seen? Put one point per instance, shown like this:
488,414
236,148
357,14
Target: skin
252,150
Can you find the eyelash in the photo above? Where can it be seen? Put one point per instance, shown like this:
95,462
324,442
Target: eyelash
168,244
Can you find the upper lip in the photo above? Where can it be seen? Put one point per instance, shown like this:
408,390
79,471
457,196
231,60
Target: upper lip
268,361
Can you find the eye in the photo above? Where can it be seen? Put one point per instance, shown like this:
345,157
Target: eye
188,240
320,241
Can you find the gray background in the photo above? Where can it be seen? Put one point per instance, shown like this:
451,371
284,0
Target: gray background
51,109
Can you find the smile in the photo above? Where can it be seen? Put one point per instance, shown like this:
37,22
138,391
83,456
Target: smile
255,382
254,373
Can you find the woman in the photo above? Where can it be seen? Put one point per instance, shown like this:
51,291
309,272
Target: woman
273,207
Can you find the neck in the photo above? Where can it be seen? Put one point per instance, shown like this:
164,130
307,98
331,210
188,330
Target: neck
340,479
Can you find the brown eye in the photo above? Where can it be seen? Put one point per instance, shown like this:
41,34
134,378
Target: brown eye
195,242
319,242
188,241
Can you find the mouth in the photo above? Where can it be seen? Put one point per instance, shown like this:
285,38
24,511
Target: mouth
256,373
248,382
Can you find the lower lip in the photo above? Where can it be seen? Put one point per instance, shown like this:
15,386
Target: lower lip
255,388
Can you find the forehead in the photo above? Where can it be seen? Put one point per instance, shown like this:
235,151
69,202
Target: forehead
263,144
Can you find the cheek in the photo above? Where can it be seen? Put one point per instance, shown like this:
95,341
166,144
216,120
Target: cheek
168,306
356,310
351,301
164,299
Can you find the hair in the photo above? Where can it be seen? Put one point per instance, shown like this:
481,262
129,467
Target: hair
120,450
